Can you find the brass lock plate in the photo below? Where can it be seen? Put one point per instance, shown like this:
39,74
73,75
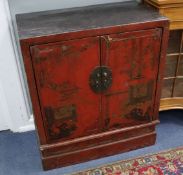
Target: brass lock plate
100,79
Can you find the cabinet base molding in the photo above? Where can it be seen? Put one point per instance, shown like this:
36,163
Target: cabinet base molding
171,103
97,146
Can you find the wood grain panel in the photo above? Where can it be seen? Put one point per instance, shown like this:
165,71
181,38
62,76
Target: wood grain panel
171,65
173,9
178,89
180,67
167,88
174,41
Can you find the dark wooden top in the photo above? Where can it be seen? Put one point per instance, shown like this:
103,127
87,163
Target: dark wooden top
77,19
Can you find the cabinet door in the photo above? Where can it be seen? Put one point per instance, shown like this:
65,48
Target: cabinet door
133,59
69,108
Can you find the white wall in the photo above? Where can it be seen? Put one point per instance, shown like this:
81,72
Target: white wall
13,112
23,6
13,86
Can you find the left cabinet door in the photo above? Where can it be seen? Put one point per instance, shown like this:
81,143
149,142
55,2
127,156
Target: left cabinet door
70,109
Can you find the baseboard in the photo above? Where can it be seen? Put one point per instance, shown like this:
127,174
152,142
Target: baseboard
29,127
26,128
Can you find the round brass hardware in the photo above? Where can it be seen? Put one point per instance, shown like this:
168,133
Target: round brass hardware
100,79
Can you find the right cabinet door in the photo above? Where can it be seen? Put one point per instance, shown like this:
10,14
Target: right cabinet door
133,59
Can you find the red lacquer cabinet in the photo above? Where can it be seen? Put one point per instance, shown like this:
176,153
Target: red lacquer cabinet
94,76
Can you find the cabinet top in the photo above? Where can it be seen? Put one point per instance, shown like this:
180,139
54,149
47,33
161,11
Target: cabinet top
52,22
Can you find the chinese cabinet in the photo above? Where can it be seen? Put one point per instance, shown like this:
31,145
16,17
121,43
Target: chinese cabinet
94,76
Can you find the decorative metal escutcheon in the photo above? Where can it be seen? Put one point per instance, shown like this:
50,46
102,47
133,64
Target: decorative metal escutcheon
100,79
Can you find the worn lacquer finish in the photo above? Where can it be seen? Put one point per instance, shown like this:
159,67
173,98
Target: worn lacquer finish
66,101
95,75
129,98
133,58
